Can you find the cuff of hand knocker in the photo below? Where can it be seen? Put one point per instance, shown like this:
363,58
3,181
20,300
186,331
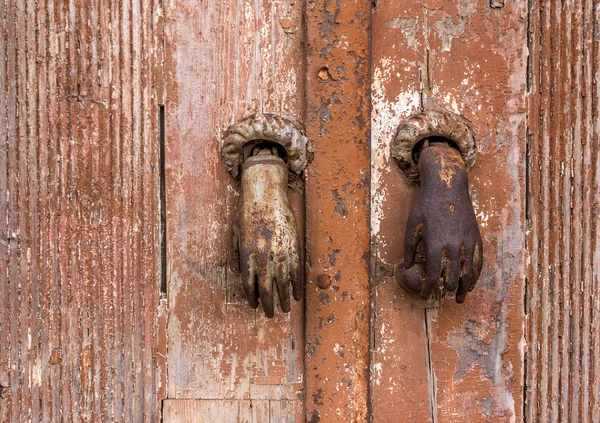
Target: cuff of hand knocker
433,126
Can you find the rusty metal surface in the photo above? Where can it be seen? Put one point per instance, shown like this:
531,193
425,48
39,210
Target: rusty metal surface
244,135
442,240
225,60
266,237
427,124
563,290
79,286
337,292
464,362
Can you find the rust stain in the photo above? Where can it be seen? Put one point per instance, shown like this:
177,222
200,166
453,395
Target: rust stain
447,172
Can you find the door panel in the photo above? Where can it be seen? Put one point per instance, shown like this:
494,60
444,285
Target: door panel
478,351
225,60
400,366
449,362
85,334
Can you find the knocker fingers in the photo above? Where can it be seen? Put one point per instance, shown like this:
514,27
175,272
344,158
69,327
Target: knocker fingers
283,284
296,275
249,271
452,269
412,237
266,280
433,271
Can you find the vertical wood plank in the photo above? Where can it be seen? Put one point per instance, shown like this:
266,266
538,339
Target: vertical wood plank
465,362
286,411
225,60
337,293
593,50
562,381
224,411
5,286
477,61
400,371
78,172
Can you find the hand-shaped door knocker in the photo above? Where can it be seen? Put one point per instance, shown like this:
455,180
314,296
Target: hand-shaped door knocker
443,252
265,233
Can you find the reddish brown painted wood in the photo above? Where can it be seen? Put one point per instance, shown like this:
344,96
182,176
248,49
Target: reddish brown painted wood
85,338
563,292
337,292
400,371
478,57
79,288
470,59
224,60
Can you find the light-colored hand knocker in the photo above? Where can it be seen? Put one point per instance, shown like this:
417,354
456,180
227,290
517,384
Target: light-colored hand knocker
266,237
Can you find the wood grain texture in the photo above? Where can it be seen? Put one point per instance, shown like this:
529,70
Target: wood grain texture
563,291
224,411
230,411
464,362
337,204
225,60
79,234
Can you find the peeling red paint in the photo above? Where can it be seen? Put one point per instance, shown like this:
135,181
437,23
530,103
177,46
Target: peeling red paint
337,293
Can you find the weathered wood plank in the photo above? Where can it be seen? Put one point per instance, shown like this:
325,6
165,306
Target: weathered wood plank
214,411
564,196
400,371
286,411
478,59
468,58
79,190
5,287
225,60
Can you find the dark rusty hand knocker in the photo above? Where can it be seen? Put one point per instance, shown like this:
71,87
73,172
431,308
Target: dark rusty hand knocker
265,233
443,251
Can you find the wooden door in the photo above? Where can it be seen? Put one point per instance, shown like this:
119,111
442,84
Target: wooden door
359,347
119,297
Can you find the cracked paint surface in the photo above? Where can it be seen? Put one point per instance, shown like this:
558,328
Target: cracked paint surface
219,348
462,363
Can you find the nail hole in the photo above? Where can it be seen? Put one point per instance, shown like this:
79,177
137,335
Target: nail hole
323,74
